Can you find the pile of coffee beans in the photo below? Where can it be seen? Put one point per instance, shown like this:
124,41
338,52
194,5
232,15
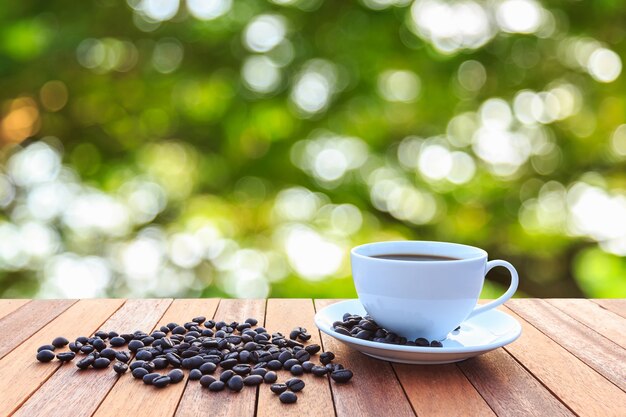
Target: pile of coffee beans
365,328
245,354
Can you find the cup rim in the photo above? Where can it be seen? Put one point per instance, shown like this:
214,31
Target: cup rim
480,253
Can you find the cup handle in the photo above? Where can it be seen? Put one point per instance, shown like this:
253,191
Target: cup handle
504,297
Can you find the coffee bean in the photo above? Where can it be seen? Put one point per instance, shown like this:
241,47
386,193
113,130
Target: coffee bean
120,367
101,363
364,334
307,366
160,363
278,388
74,346
149,378
242,369
253,380
139,372
284,356
85,362
45,355
341,375
312,349
319,370
217,386
108,353
207,368
420,341
207,380
99,344
60,342
291,362
274,365
148,366
235,383
199,319
270,377
101,334
288,397
135,345
144,355
161,381
66,356
228,363
297,370
327,357
295,384
193,363
259,371
252,321
174,359
87,349
342,330
195,375
436,343
46,347
226,375
176,375
303,355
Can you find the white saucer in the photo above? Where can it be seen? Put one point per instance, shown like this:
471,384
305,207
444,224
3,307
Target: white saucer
480,334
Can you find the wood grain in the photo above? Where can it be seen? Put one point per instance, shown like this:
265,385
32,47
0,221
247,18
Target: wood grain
441,390
283,315
20,371
24,322
617,306
601,354
200,401
131,397
562,373
608,324
81,391
508,388
9,305
374,390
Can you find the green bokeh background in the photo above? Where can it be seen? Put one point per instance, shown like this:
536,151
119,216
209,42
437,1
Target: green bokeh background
222,153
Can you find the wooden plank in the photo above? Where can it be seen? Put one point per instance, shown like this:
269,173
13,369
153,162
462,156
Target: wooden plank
608,324
283,315
374,390
22,374
616,305
562,373
81,391
198,401
24,322
9,305
131,397
441,390
508,388
601,354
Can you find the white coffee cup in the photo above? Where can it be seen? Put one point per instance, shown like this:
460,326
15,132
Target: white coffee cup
423,298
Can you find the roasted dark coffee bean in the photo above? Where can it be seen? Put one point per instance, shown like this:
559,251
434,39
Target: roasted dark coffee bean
436,343
296,370
312,349
174,360
253,380
176,375
228,363
66,356
293,335
149,366
60,342
199,319
252,321
284,356
368,325
420,341
304,337
101,363
135,345
278,388
160,363
274,365
319,370
342,330
75,346
341,375
235,383
99,344
295,384
364,335
87,349
102,334
108,353
120,367
303,355
330,367
288,397
207,368
327,357
209,324
259,371
136,364
139,372
179,330
46,347
242,369
226,375
85,362
217,386
45,355
161,381
207,380
307,366
195,374
82,340
270,377
291,362
194,362
148,378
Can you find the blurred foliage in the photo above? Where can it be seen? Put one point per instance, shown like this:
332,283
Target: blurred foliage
240,148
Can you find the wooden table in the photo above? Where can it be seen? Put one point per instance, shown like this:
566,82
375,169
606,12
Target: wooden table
570,360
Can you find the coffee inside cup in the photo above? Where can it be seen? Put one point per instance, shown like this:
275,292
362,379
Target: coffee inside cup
416,257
